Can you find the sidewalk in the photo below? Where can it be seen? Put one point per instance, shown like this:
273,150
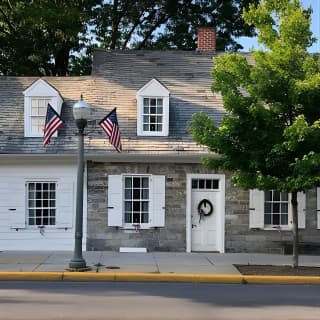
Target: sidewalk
154,266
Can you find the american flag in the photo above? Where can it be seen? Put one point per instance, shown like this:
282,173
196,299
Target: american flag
110,126
53,123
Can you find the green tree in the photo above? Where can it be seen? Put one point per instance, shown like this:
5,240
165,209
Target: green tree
37,37
269,137
169,24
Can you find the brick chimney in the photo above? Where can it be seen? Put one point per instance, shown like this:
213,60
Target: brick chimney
206,39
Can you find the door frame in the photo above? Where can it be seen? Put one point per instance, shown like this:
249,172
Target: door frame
220,217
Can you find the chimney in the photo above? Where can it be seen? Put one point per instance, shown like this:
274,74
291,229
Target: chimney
206,39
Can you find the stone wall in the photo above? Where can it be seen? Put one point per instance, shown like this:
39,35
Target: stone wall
172,237
239,238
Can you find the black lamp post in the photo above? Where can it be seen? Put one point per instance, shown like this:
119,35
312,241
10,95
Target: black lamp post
81,113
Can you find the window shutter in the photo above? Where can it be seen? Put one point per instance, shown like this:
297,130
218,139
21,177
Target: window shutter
65,205
12,202
318,208
115,213
256,209
301,197
158,201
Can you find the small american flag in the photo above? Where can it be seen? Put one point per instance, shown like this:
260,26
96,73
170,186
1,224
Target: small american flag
110,126
53,123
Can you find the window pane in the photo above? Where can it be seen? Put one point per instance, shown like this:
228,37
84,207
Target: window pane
159,110
128,206
208,184
215,184
145,194
145,182
201,184
284,207
276,195
267,219
284,219
136,182
159,127
145,127
276,219
153,110
128,183
145,217
146,102
275,207
267,207
159,102
136,194
153,102
128,217
146,119
136,217
268,195
128,194
152,127
136,206
31,221
284,196
194,184
145,206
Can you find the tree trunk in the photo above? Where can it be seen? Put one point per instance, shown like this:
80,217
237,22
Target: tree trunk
295,231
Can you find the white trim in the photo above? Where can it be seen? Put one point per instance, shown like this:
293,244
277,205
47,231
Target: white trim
153,89
128,250
220,218
39,89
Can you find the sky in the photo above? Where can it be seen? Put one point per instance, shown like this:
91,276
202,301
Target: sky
249,43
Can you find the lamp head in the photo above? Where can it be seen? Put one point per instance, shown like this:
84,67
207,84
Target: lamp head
81,110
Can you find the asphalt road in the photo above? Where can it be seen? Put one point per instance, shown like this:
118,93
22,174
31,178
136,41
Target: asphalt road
107,300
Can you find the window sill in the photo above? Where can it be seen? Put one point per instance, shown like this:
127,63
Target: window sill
277,228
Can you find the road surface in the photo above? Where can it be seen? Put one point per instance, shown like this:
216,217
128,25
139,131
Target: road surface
107,300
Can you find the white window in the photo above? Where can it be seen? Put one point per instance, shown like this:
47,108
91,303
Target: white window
272,210
36,99
38,114
275,208
41,203
136,200
152,114
153,110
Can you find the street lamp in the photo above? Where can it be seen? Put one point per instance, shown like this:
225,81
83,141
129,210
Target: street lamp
81,113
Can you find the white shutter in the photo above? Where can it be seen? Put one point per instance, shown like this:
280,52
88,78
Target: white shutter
301,197
256,209
65,205
318,208
158,201
115,213
12,202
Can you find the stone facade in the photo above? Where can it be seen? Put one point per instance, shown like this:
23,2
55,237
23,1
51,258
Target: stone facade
172,237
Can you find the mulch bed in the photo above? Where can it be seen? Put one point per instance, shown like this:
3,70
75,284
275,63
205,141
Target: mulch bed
277,270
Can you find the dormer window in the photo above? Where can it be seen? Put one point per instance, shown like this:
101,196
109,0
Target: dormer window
153,110
36,99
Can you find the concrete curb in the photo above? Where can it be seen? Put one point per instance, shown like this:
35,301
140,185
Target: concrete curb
157,277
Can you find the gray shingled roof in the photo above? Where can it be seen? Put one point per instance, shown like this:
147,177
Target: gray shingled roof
116,78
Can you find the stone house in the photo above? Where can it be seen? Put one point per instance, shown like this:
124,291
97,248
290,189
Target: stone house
155,194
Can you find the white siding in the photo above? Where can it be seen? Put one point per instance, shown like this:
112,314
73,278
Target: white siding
15,234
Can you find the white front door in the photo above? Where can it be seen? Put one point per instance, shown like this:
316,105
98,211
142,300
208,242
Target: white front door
207,212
